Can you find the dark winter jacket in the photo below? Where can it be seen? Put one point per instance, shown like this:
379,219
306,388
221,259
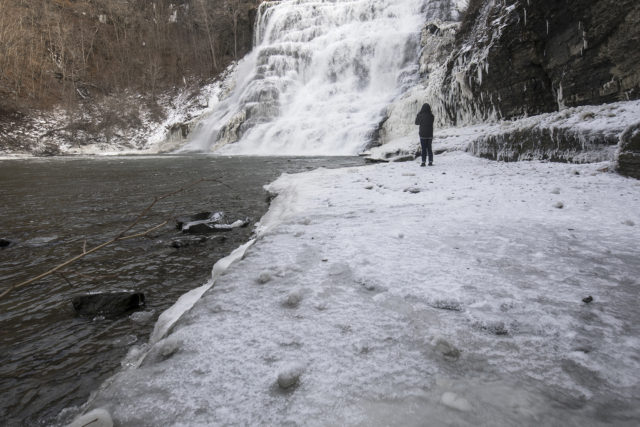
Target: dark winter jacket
425,120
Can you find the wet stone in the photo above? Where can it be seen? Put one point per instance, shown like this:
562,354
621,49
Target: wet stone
113,303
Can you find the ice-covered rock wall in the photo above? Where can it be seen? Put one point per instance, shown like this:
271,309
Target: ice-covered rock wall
517,58
629,151
319,78
437,42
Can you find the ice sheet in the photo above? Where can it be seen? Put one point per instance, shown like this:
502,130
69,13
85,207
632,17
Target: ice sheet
395,294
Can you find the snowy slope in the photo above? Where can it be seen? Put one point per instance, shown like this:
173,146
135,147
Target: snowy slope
394,294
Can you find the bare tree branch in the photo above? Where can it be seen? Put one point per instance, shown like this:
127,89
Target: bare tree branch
119,237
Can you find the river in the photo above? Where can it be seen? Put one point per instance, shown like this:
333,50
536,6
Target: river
51,209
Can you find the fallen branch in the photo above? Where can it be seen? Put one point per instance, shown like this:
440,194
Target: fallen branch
119,237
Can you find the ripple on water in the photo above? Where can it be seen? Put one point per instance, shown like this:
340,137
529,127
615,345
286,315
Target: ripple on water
51,359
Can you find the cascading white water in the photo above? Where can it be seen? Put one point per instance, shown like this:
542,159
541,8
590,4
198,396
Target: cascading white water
319,78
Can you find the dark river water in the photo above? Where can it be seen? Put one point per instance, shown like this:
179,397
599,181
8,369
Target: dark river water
51,358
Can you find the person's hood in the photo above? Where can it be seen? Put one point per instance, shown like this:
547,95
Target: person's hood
426,108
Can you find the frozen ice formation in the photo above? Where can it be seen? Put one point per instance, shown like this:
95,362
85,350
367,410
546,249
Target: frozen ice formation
452,400
318,79
95,418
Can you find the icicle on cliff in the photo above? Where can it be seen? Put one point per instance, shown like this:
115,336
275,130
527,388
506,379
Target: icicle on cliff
319,77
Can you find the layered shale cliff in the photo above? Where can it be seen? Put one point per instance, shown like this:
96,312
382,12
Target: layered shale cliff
519,58
524,57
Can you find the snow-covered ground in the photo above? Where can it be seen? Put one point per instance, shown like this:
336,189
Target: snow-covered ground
395,294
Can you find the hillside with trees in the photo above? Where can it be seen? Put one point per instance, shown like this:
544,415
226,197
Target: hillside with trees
79,53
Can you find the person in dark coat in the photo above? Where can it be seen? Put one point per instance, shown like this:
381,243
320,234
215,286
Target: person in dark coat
425,120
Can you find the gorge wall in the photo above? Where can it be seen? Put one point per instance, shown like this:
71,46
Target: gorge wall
474,61
511,59
524,57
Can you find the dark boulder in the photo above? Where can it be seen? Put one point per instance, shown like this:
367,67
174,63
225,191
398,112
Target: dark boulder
5,243
110,304
557,144
208,226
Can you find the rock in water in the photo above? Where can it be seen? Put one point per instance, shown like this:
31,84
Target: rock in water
587,300
4,243
182,220
211,226
113,303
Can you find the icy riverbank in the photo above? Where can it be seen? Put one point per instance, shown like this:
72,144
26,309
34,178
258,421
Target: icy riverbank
398,294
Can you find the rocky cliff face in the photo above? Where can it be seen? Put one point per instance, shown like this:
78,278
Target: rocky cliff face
525,57
629,155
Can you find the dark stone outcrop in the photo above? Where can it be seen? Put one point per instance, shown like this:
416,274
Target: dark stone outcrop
629,155
5,243
109,304
541,56
555,144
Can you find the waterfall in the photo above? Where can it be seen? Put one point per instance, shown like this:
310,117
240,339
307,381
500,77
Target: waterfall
318,79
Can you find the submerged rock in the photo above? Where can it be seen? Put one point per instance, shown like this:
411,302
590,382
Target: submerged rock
182,220
187,241
112,303
5,243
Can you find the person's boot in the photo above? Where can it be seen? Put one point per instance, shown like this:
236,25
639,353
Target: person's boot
422,164
430,164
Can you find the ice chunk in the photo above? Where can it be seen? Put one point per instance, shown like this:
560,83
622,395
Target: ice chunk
452,400
96,418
